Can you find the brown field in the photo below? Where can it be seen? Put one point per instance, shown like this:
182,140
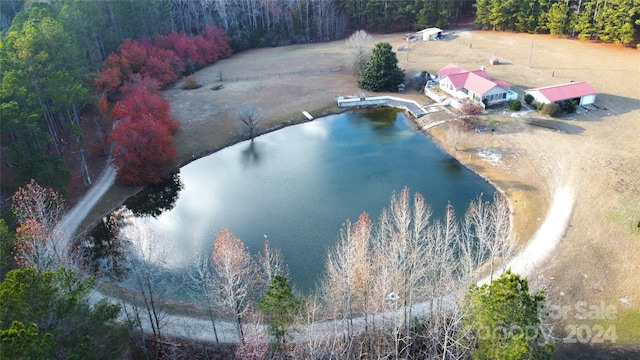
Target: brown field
598,159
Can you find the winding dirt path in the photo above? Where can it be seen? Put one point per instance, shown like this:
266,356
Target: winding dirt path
72,219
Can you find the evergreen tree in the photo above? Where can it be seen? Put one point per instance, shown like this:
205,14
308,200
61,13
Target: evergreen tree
280,305
557,19
482,14
46,315
381,73
505,319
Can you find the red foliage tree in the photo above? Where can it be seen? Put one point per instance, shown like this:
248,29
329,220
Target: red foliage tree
115,72
162,65
213,44
183,46
163,59
143,145
142,99
137,81
102,104
142,150
220,40
134,53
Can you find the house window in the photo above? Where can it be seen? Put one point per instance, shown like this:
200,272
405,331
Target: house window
504,95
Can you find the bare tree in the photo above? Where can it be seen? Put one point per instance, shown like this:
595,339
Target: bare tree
250,116
256,345
490,224
403,230
234,268
271,263
456,134
411,263
359,45
39,210
349,271
315,336
146,262
202,281
502,246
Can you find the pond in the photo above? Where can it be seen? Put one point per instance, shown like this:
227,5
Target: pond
300,184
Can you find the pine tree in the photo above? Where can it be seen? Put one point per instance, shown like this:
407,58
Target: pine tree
381,73
280,305
557,19
505,318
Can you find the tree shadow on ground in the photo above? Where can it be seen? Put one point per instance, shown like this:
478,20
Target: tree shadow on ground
556,125
518,185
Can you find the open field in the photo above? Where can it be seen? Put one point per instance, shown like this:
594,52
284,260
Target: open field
598,157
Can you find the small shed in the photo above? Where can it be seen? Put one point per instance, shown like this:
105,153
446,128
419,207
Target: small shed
581,91
431,34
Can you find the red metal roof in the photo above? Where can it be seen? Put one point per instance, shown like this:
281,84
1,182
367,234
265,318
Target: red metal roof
450,69
477,81
566,91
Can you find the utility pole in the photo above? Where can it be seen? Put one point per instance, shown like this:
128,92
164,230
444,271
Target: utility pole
408,48
531,54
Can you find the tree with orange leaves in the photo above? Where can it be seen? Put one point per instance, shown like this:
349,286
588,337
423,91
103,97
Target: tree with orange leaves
38,210
236,278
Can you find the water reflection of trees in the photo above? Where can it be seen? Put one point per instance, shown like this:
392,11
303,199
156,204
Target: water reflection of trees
381,122
104,251
380,118
156,199
251,154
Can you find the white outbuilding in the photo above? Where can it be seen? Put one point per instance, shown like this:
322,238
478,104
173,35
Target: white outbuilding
431,34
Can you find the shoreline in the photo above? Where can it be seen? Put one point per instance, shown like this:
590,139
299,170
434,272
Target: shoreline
436,137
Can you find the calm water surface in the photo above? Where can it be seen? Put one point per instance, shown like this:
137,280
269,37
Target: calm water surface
298,185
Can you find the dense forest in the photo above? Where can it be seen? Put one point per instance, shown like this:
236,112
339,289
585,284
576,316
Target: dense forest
614,21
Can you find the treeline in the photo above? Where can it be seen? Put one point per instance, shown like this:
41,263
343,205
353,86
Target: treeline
49,62
608,20
46,59
254,23
142,146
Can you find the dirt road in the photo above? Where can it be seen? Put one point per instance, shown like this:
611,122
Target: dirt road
72,219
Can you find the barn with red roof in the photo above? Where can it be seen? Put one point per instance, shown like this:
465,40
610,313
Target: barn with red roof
580,91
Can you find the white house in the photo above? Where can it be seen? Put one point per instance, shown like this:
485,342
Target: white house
581,91
474,85
430,34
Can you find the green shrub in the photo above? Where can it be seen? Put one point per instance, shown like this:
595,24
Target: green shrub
515,105
551,109
539,106
189,68
190,83
217,87
568,106
528,99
